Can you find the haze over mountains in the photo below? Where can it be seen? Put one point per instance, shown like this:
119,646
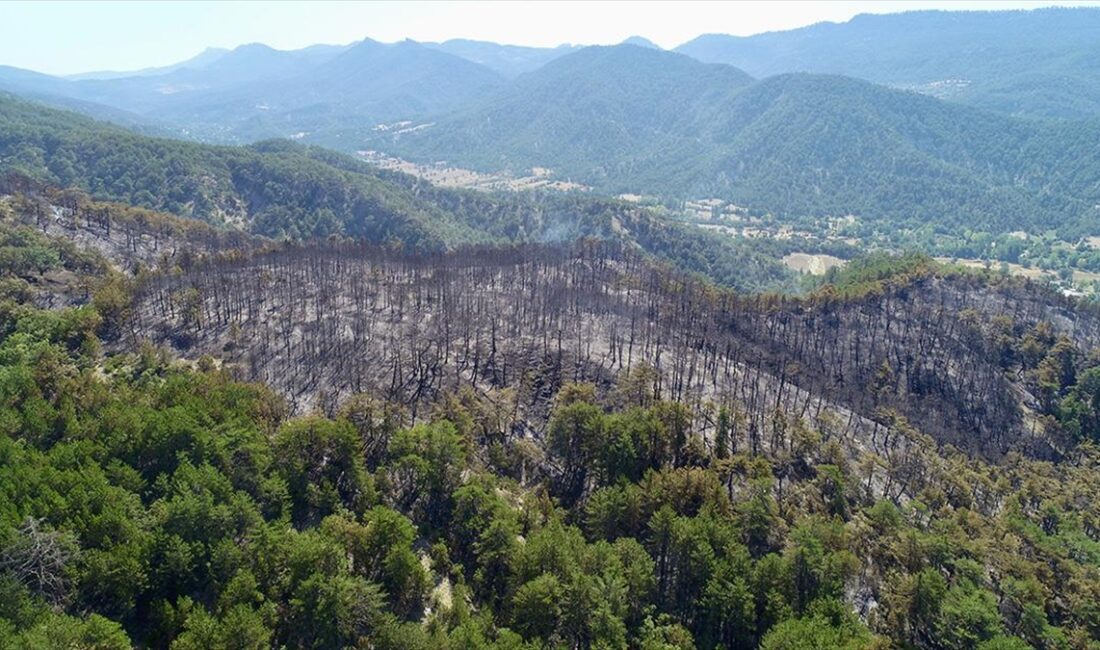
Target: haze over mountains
627,119
287,190
508,60
1040,63
636,119
200,60
1036,63
255,91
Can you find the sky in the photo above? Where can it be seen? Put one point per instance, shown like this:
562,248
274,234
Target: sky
71,37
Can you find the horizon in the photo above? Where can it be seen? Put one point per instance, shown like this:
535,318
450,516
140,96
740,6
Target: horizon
97,37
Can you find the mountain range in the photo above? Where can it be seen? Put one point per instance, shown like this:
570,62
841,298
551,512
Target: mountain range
507,60
200,60
255,91
626,119
1040,63
824,121
1030,63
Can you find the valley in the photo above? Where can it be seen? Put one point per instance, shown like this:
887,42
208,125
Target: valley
439,173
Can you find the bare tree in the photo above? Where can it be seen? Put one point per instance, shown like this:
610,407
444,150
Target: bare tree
39,557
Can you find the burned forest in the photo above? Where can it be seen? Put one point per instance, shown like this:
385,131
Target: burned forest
323,322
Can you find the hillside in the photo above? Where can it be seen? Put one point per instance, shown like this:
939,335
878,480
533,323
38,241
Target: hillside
601,114
132,238
1037,63
274,190
793,145
284,190
431,325
584,348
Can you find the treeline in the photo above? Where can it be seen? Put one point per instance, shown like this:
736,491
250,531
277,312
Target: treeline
128,235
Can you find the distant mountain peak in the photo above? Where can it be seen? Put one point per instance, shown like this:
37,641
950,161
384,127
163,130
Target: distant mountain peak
200,60
508,60
641,41
254,47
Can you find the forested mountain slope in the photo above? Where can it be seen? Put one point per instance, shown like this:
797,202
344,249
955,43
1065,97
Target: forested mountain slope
1039,63
280,189
274,189
603,111
637,120
793,144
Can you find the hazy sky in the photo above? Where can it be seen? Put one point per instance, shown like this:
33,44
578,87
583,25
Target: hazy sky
69,37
